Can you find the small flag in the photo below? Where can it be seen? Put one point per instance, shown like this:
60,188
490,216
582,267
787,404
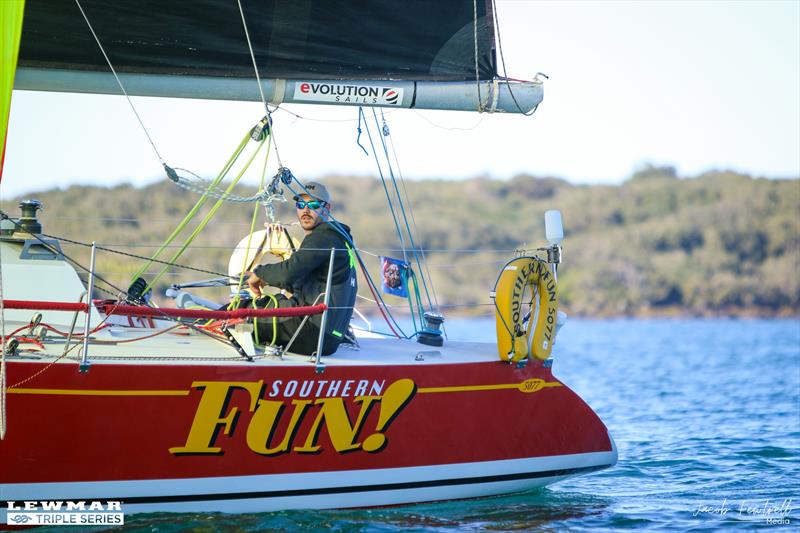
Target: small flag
394,276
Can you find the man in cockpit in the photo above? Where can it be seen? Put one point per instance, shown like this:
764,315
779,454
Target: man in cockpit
305,274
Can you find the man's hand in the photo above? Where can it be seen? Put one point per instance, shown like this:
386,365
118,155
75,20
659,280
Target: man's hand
254,283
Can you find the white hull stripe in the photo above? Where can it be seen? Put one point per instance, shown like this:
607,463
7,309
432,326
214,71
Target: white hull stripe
137,500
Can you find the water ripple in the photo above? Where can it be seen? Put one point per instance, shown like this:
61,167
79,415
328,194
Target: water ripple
705,414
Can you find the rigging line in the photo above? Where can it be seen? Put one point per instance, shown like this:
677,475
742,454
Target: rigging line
203,223
413,220
382,306
332,120
505,71
400,203
200,202
402,208
49,247
272,141
136,220
358,138
253,57
435,125
361,250
219,274
111,250
119,82
246,260
328,217
53,250
386,190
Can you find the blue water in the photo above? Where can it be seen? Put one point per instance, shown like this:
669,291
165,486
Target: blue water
705,414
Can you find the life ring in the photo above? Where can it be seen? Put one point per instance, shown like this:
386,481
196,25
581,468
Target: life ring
268,245
516,338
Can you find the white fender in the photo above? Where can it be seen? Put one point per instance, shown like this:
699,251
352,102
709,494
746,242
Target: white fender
268,245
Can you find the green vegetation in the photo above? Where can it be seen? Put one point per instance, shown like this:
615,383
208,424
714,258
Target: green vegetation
717,244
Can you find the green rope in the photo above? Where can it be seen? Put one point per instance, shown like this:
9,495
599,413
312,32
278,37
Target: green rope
237,298
409,275
190,215
206,219
274,322
253,219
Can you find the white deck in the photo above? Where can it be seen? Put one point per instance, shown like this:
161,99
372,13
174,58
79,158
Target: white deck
195,348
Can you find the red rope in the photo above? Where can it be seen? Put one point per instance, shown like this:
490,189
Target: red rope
136,310
45,306
377,301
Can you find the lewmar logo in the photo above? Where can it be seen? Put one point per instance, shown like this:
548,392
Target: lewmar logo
65,513
340,93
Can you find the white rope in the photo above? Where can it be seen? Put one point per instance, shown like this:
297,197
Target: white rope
260,88
503,62
449,128
253,58
114,72
494,95
475,40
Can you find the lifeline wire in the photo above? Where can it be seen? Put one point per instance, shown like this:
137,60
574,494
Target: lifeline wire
53,250
114,72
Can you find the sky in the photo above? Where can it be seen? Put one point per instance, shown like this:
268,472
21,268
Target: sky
695,85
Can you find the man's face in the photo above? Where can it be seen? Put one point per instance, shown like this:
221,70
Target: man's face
309,218
393,276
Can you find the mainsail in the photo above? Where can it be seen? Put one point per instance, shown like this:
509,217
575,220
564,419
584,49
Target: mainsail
423,54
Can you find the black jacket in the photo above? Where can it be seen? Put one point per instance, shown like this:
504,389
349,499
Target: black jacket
305,274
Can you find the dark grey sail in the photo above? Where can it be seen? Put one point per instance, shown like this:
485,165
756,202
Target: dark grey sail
302,49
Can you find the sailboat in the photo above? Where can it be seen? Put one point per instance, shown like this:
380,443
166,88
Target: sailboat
123,401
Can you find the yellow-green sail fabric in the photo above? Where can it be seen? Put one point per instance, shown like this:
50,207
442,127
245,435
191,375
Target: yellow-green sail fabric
10,32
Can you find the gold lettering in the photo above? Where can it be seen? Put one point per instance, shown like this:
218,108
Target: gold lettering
265,421
210,414
337,422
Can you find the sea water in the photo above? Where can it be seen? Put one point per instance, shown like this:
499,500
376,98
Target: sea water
705,414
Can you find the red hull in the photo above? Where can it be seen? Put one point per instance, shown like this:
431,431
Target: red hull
65,426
